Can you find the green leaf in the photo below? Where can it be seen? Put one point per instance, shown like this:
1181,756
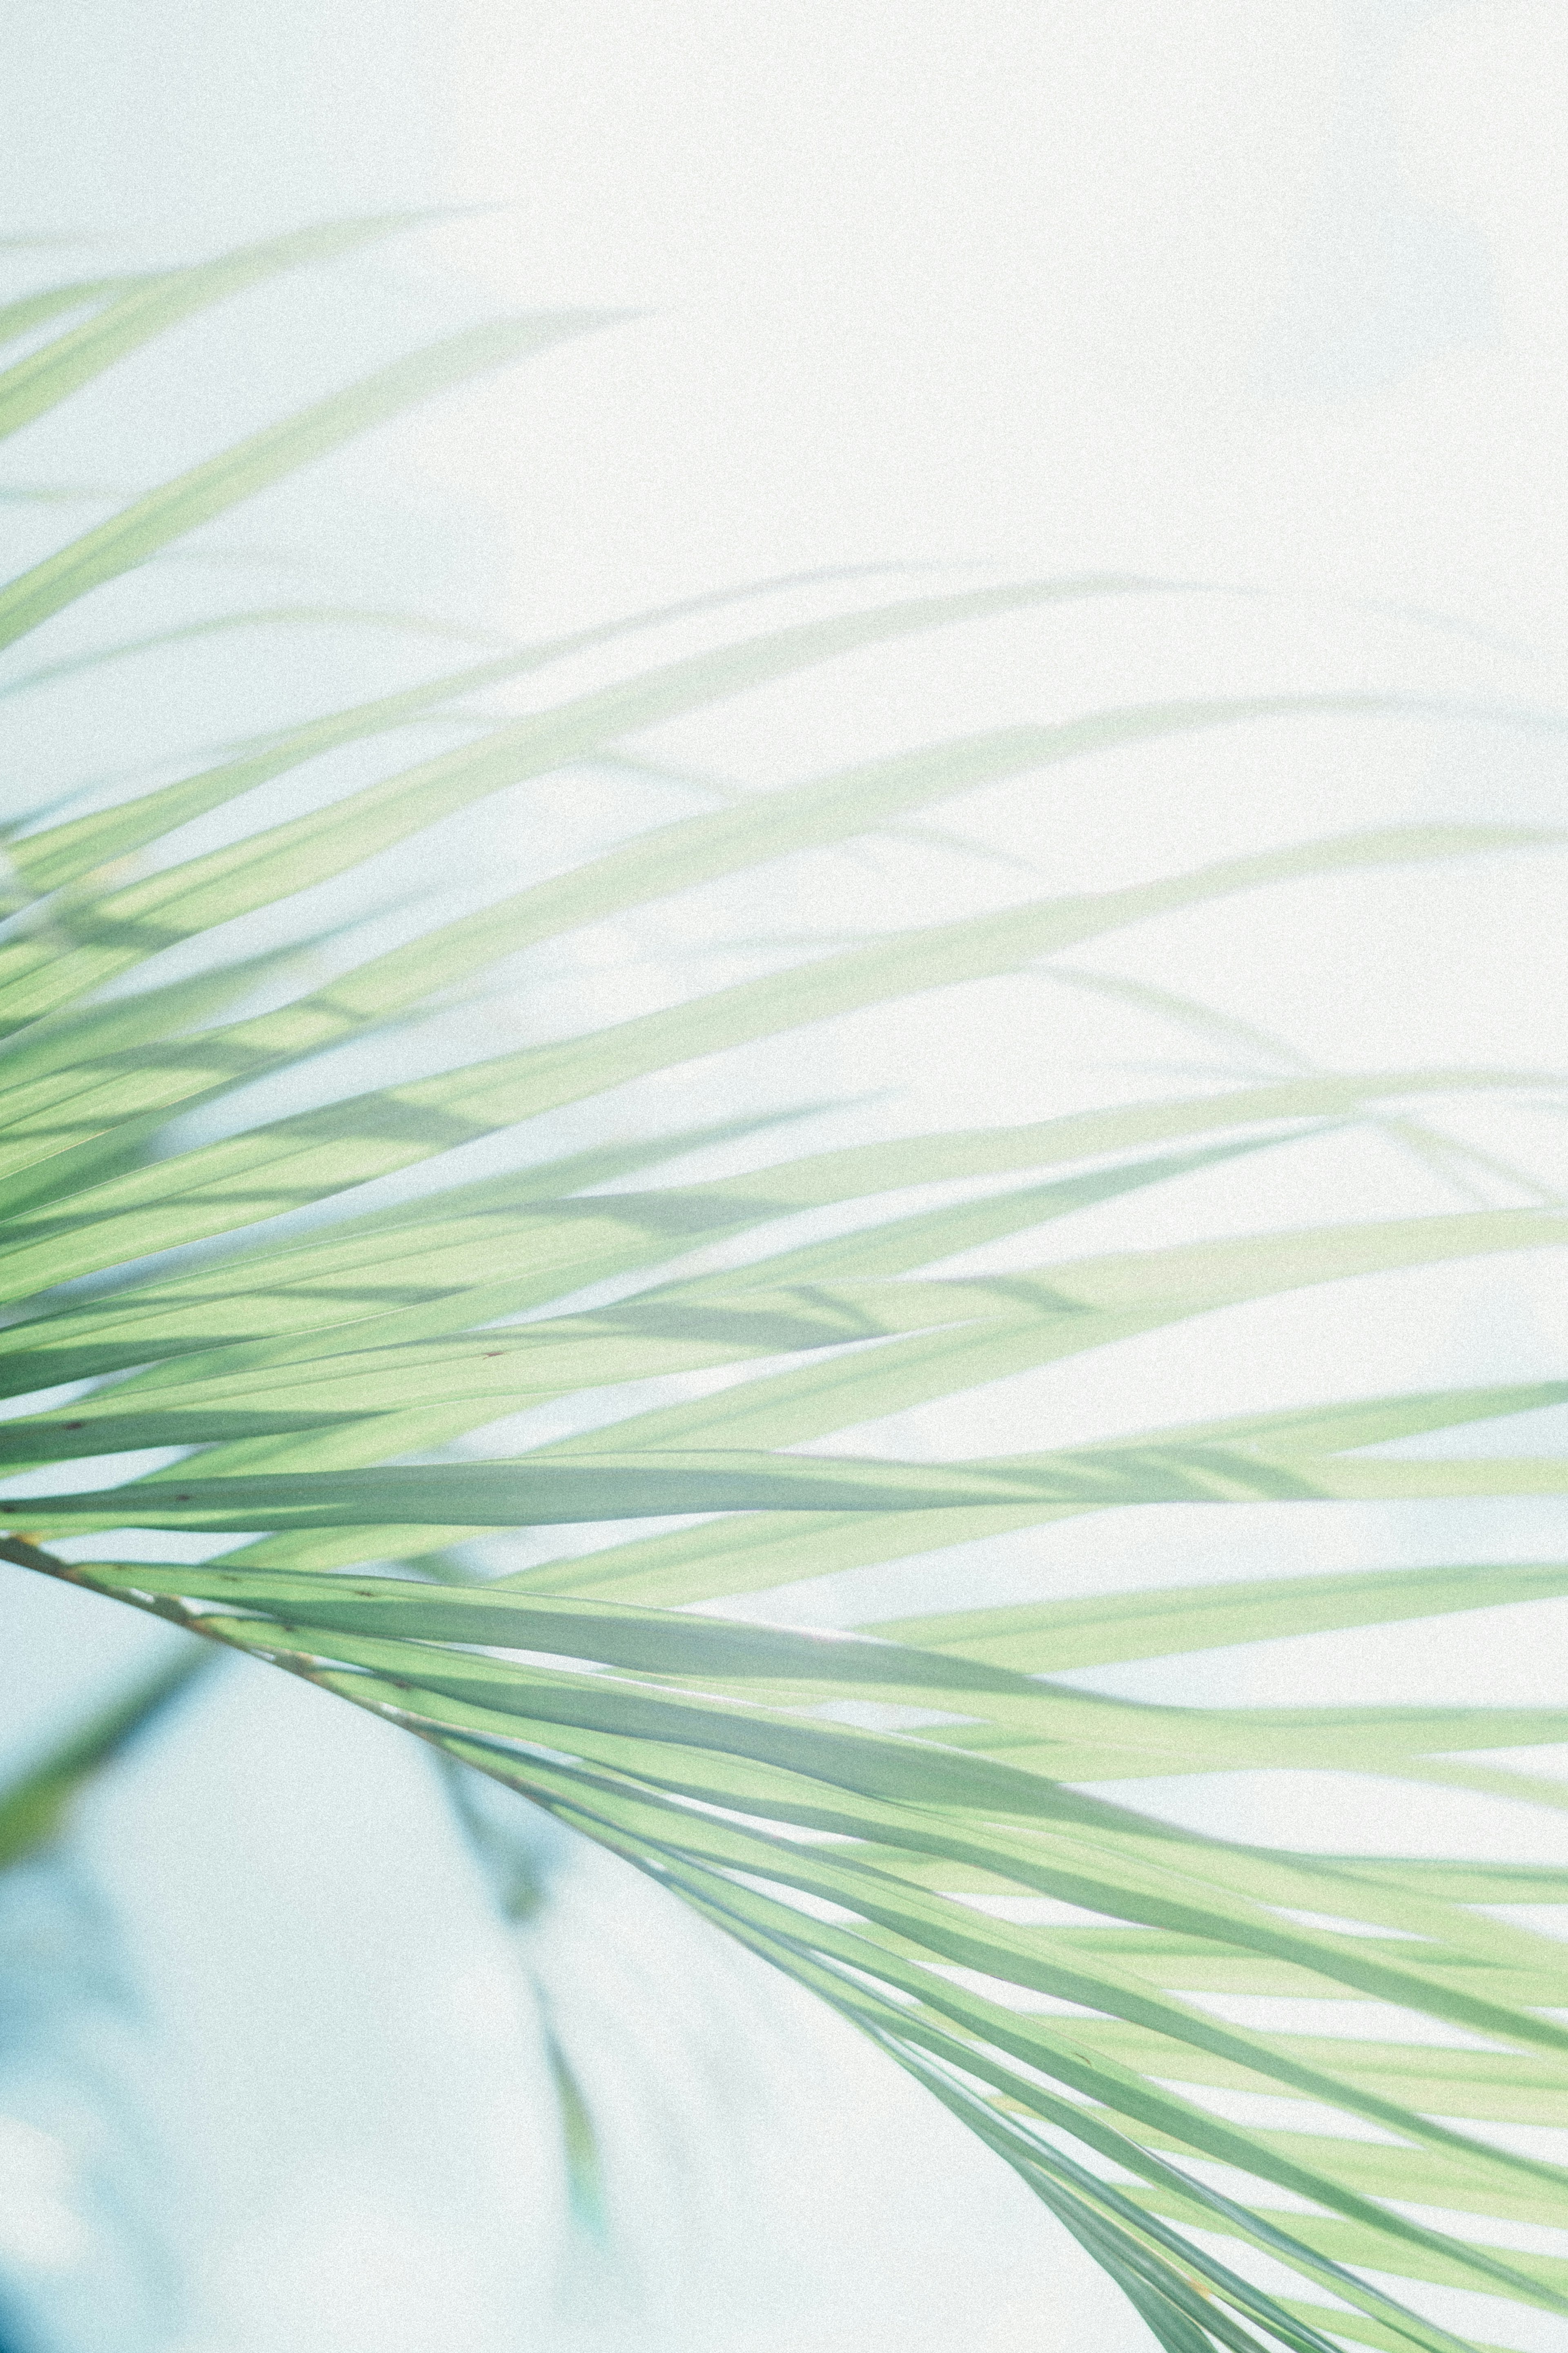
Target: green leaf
141,308
62,853
34,1807
25,312
1047,1637
238,472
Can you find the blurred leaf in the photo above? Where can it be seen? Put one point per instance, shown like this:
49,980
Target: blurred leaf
36,1807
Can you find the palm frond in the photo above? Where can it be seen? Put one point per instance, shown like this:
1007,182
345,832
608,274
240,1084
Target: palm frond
913,1819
